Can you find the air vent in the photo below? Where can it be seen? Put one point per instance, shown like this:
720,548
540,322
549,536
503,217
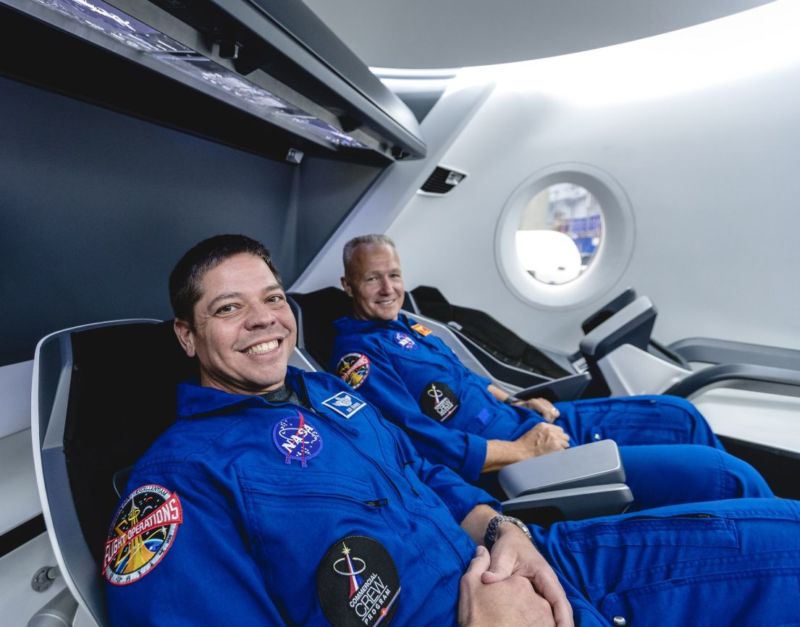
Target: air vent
442,180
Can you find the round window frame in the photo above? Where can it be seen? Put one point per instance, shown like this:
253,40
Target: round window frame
612,256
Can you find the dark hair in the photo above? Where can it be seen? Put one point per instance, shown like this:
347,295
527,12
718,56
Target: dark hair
186,276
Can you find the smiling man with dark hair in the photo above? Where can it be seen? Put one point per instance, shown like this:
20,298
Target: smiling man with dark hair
282,497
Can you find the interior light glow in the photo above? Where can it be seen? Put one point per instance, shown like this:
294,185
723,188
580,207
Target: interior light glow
726,50
125,29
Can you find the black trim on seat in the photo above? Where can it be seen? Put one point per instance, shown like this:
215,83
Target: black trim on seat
500,342
19,535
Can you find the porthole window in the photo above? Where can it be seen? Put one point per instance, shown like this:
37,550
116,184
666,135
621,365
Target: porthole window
565,236
559,234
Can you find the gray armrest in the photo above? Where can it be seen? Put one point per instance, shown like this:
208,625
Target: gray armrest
741,377
715,351
572,503
588,464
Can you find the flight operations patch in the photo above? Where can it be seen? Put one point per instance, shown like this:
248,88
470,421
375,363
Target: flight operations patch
353,369
142,533
357,583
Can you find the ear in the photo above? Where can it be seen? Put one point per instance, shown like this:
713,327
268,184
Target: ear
346,287
185,335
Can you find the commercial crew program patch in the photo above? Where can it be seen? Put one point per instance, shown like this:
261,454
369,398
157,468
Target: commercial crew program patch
438,401
357,583
353,369
144,529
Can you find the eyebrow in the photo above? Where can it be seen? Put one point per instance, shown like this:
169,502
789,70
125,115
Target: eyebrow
270,288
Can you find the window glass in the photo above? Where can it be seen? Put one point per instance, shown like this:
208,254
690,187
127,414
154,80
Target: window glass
559,233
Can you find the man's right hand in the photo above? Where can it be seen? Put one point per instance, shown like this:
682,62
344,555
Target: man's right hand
543,438
511,602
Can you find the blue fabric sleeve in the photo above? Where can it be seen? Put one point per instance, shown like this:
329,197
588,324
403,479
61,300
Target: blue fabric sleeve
207,576
465,453
459,496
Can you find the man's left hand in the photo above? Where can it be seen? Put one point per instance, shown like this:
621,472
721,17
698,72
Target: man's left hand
514,554
543,407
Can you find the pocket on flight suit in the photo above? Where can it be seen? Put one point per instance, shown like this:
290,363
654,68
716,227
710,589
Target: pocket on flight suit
685,570
634,421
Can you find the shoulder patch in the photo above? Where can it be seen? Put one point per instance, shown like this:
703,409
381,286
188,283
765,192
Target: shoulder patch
142,533
421,329
357,583
353,369
344,404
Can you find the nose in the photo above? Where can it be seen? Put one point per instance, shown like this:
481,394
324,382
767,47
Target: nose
259,315
386,285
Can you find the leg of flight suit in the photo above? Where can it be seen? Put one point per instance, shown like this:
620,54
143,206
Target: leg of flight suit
636,420
723,563
667,474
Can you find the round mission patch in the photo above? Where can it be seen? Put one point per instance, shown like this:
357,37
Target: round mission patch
296,439
353,369
143,530
357,583
438,401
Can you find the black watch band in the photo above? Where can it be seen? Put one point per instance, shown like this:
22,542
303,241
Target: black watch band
494,525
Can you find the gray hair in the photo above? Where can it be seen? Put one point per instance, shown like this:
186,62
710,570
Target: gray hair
373,238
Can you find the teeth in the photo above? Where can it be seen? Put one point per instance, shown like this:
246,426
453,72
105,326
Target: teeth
264,347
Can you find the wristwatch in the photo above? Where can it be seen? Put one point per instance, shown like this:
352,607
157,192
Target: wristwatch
494,525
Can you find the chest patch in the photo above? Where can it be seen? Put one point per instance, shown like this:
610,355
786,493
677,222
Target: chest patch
357,583
344,404
353,369
421,329
404,340
296,438
438,401
142,533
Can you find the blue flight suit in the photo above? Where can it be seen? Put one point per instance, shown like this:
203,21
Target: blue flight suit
396,364
247,512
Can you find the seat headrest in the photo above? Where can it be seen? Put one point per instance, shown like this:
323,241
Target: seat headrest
318,310
121,398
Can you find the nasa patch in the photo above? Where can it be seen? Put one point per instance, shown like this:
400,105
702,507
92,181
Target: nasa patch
353,369
421,329
344,404
404,340
357,583
296,438
142,533
438,401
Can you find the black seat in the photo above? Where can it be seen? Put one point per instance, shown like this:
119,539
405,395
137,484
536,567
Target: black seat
315,313
103,393
500,342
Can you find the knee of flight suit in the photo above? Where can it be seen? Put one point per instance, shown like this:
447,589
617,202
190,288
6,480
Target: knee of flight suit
635,420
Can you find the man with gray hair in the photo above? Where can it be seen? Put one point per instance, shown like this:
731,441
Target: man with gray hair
463,421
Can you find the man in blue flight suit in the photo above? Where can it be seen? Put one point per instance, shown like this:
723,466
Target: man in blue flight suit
459,419
282,497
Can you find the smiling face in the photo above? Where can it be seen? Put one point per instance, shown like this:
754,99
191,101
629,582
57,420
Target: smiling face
375,283
244,330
